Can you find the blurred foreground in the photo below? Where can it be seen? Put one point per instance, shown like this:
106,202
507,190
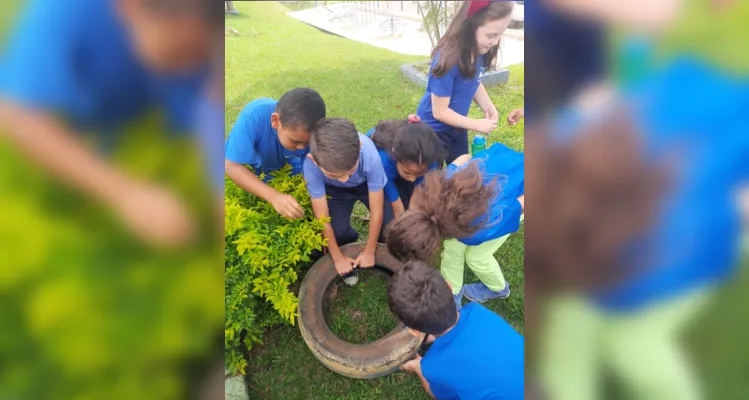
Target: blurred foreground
637,160
114,299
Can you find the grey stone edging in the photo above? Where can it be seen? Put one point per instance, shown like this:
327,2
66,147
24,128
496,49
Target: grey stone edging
490,79
235,387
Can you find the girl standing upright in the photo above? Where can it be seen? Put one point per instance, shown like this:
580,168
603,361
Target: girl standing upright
469,47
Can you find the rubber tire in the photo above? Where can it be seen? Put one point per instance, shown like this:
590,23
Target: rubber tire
361,361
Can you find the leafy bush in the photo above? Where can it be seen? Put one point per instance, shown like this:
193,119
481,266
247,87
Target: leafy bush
88,312
262,253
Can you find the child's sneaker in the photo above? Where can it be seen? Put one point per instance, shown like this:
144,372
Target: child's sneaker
352,278
459,299
478,292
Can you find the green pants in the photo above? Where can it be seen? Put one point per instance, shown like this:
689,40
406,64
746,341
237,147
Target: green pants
641,350
479,258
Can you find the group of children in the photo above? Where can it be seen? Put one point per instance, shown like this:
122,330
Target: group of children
397,170
106,65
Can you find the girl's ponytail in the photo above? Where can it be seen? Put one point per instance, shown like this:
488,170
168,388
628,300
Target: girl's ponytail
443,207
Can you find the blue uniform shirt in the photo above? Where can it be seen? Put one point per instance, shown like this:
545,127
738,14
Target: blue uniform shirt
460,90
368,171
481,357
209,126
555,38
75,59
391,172
505,168
253,141
695,236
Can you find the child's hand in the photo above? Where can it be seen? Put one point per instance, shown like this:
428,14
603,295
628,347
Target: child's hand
366,259
287,206
429,339
343,265
486,125
515,116
491,114
413,365
154,215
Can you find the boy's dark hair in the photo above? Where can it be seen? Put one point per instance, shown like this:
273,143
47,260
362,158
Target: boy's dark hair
335,144
208,10
420,297
458,45
301,108
443,207
408,142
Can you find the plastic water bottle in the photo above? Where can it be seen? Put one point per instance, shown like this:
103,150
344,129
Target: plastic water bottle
478,144
633,60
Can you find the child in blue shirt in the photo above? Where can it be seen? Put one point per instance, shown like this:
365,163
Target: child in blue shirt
475,354
474,205
96,65
408,149
344,164
268,135
468,48
686,250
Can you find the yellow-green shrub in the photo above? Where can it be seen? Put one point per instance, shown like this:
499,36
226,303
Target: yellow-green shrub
262,253
87,311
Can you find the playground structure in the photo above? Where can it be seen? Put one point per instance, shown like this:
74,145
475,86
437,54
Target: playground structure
376,16
393,25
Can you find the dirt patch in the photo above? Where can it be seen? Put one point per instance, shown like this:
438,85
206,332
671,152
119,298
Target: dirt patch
356,315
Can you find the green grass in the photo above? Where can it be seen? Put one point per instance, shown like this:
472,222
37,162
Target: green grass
274,53
360,314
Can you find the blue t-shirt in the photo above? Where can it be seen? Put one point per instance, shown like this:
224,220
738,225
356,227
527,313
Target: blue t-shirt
254,142
480,358
76,59
368,171
505,168
694,239
391,172
460,90
209,126
567,51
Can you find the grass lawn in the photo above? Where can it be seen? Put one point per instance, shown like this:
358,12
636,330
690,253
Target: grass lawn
274,53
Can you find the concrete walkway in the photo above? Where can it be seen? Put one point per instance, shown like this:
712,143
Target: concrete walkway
384,25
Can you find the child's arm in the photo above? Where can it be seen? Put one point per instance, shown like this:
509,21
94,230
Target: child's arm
645,15
485,103
415,367
442,111
150,212
398,208
391,192
376,204
343,264
285,205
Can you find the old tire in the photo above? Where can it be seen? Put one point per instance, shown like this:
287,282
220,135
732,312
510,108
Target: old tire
362,361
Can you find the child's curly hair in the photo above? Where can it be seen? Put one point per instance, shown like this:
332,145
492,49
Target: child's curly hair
445,206
590,199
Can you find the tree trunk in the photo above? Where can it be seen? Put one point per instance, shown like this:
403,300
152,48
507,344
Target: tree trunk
435,17
425,21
